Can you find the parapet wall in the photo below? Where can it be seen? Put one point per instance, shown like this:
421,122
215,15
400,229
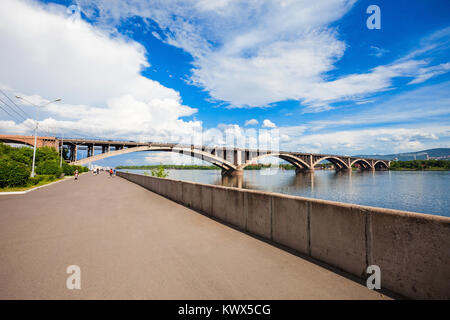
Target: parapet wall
411,249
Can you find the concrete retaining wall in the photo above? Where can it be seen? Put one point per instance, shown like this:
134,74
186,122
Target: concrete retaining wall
411,249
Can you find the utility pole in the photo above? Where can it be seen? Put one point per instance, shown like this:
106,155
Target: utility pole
36,128
34,148
62,145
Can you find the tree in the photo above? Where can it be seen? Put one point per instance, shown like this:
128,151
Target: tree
159,172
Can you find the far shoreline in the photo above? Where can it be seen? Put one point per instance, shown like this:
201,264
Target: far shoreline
260,167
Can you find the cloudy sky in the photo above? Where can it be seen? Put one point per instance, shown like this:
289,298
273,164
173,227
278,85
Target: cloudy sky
158,70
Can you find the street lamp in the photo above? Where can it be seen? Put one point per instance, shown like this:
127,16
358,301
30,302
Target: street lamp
36,127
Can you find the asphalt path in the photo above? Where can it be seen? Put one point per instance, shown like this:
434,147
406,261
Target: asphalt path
131,243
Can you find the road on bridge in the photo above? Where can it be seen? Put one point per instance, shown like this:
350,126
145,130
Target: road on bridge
131,243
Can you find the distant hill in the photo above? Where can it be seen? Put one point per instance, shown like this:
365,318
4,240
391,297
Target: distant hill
437,153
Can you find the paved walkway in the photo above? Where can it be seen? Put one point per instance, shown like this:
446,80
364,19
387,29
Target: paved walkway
131,243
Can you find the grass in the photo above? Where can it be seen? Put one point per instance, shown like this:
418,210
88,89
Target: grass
29,187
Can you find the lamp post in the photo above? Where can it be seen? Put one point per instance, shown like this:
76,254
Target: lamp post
36,128
62,148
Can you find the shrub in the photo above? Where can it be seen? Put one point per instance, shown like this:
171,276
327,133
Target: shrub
23,155
159,172
48,177
13,174
82,169
35,180
45,154
49,167
68,169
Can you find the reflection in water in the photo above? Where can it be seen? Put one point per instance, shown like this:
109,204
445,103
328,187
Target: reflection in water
231,181
418,191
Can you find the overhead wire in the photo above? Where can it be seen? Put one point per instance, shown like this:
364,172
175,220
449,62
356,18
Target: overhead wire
12,101
12,109
22,116
7,112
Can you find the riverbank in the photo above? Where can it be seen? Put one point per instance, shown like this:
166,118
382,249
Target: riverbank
420,165
29,187
412,165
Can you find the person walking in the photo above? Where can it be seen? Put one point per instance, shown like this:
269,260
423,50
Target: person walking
76,174
110,172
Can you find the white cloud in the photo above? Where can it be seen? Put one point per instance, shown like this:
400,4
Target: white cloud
377,52
427,73
254,54
46,53
268,124
156,35
172,158
284,138
422,104
251,122
376,140
248,54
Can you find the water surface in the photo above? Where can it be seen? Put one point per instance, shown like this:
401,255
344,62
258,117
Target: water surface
417,191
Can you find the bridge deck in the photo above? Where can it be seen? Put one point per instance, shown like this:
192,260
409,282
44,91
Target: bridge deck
131,243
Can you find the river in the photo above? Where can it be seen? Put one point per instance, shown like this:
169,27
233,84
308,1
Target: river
417,191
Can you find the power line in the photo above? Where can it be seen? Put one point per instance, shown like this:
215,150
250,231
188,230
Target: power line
9,114
15,117
26,114
12,109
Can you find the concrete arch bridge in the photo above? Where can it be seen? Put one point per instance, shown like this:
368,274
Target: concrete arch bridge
232,161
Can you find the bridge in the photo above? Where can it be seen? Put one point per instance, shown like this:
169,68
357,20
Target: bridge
231,160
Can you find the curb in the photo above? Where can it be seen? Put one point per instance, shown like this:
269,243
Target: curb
32,189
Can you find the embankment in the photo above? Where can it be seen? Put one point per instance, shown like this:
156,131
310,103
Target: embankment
411,249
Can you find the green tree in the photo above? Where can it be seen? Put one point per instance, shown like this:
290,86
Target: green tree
13,173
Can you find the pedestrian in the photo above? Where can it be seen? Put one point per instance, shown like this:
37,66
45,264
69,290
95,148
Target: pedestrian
114,172
110,172
76,174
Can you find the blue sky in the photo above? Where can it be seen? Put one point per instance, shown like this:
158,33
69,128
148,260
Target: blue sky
159,70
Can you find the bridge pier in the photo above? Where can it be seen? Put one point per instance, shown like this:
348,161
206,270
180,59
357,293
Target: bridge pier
343,169
90,150
232,173
73,152
303,170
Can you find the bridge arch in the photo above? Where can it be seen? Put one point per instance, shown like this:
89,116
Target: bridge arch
380,164
297,162
18,141
196,153
363,162
338,163
41,141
